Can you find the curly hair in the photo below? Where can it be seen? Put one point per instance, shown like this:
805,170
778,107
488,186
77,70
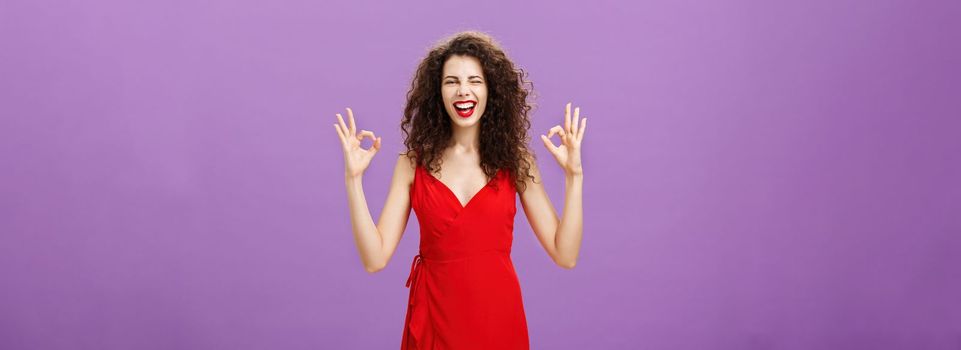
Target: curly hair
503,127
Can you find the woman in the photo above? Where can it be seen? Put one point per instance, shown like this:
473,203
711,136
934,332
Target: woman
466,110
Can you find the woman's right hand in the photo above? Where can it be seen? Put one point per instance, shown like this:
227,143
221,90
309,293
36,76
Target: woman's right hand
356,159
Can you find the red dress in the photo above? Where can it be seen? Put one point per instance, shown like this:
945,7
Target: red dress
464,291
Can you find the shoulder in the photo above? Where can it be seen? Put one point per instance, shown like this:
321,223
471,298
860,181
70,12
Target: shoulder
405,167
528,174
531,161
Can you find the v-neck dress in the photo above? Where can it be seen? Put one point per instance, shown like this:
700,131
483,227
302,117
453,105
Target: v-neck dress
464,291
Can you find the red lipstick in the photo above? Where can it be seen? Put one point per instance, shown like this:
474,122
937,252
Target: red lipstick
465,112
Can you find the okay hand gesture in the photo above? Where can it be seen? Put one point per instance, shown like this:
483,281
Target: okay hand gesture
356,159
568,154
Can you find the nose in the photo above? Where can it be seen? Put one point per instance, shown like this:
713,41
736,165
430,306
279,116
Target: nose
462,90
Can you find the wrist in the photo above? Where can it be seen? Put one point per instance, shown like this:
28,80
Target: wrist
353,178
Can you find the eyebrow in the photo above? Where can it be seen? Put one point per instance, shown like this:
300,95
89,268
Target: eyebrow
470,77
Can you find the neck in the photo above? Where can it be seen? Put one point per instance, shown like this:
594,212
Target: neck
465,139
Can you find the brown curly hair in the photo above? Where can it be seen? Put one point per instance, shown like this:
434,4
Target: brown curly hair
503,127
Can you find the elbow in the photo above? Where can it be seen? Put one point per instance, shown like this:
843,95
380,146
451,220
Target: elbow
568,265
372,269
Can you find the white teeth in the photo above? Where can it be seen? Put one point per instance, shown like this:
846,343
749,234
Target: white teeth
464,105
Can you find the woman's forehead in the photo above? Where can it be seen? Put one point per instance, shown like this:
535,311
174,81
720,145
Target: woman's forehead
462,65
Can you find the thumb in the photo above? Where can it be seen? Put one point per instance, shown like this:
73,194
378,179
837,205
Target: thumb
547,143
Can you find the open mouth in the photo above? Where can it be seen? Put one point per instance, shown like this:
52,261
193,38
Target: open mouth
465,108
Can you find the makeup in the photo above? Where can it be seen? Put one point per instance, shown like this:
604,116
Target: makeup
465,108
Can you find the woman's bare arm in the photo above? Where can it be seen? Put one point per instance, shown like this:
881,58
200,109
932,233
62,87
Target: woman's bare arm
376,243
560,237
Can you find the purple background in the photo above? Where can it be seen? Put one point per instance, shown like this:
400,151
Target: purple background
758,175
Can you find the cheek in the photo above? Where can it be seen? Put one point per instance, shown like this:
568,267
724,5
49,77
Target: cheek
448,92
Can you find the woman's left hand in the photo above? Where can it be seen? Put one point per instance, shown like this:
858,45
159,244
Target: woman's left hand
568,154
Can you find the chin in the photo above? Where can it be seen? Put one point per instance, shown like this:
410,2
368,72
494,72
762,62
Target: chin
465,122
